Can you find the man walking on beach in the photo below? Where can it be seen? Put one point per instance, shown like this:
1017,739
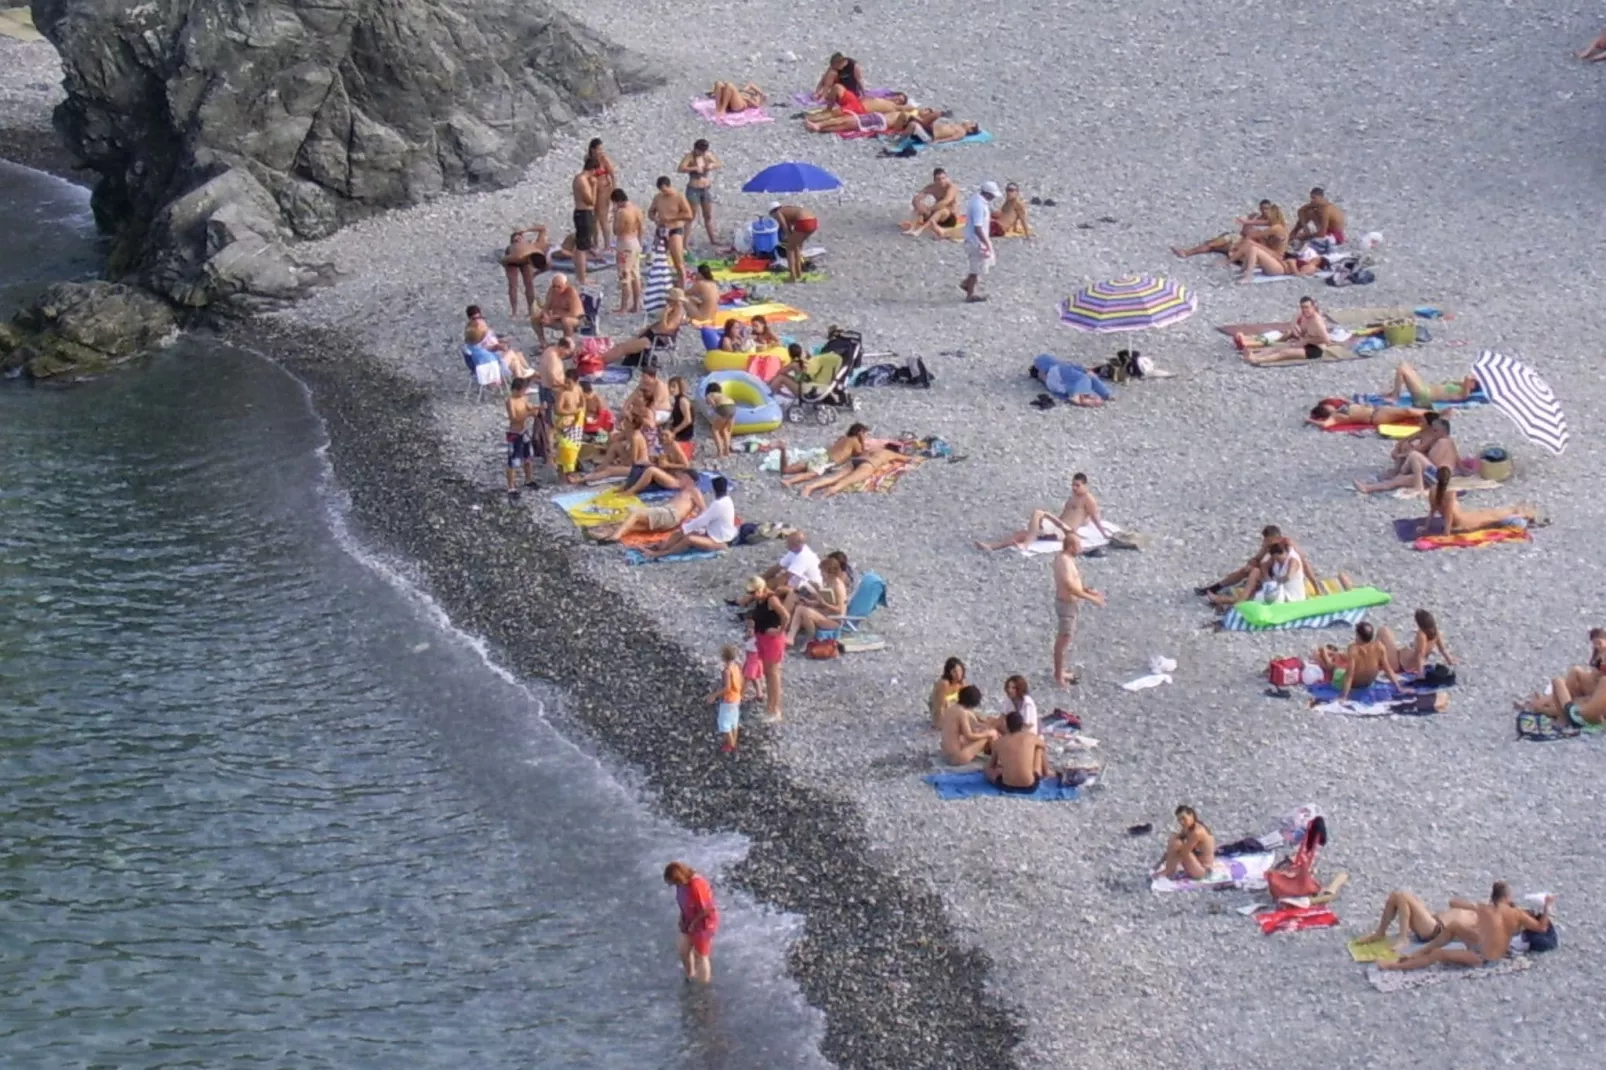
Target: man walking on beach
584,188
978,238
1069,593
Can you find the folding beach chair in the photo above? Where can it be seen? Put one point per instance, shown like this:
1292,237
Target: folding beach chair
867,597
591,306
484,369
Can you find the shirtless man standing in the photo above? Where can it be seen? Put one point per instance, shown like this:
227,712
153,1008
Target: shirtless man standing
1485,940
1020,761
1320,218
627,230
1367,658
562,308
1069,593
1305,339
584,188
934,206
963,740
1080,508
524,258
551,375
520,445
673,213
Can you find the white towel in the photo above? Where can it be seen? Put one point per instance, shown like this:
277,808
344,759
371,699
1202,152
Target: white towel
1090,536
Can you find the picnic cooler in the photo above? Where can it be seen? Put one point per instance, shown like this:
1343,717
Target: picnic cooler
1400,333
1285,672
766,235
1494,464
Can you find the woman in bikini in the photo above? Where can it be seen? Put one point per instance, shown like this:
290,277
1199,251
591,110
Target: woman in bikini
1408,382
1191,850
1427,641
734,339
763,336
524,258
1336,412
666,326
1256,258
1271,236
946,689
699,166
1442,502
821,609
729,97
604,173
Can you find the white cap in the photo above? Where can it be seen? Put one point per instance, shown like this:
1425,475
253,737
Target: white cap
774,205
990,189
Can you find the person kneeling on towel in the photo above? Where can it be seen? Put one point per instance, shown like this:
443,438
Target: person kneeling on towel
1020,761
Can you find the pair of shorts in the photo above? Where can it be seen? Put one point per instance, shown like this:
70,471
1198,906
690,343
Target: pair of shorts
806,226
636,472
519,449
696,195
661,518
1011,789
585,230
548,398
730,717
702,941
1066,613
628,260
771,647
981,261
1337,236
752,666
725,412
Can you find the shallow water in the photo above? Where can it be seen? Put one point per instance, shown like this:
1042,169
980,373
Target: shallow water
264,806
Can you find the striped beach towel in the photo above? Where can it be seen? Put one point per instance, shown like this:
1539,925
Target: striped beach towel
1234,622
657,283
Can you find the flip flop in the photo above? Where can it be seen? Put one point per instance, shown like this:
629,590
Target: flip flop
1048,202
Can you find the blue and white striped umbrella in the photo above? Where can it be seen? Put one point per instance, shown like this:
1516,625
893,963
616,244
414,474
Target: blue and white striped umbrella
1518,391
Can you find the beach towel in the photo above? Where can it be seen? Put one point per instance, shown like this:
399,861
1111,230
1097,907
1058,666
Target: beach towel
1295,919
980,137
610,376
1367,709
773,312
809,100
704,106
1249,329
886,479
1537,728
597,505
1233,621
1381,690
1459,484
1414,530
1090,536
636,557
1239,871
1472,400
975,785
1372,951
1405,980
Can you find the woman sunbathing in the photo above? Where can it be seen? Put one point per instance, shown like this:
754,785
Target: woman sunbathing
665,327
1442,502
1271,235
1408,382
946,689
1574,711
844,113
876,463
845,454
1334,412
1191,850
728,97
942,130
1257,258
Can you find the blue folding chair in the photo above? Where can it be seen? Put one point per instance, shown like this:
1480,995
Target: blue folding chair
869,596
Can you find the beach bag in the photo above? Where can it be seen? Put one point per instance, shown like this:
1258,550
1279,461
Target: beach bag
1400,333
1285,672
1438,676
822,649
1295,878
1542,941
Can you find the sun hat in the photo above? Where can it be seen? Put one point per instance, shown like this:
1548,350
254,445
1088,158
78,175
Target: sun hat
990,189
774,205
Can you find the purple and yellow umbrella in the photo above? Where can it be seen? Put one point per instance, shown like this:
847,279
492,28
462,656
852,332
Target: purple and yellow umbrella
1129,303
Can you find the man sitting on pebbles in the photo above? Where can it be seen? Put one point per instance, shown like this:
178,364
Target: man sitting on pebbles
1418,459
963,738
1249,575
1020,761
935,206
1079,509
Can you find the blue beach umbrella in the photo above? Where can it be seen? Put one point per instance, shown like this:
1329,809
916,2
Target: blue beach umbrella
792,177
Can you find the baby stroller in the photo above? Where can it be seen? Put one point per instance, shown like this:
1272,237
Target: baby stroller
826,375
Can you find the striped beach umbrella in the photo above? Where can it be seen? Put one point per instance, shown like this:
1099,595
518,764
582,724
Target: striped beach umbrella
1129,303
1517,390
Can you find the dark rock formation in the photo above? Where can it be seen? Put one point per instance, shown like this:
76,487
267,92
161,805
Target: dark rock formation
80,328
222,129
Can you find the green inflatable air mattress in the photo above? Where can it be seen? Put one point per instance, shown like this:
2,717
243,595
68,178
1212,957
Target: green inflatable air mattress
1269,615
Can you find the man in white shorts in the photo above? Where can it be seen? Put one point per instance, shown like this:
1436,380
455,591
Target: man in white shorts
978,238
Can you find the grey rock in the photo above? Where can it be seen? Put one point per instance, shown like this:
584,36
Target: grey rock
221,133
80,328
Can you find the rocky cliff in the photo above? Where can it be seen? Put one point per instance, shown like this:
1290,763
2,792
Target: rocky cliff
222,130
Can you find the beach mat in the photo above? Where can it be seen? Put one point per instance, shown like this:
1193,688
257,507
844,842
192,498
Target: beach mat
1237,871
1535,727
1233,621
704,106
1473,400
1091,539
1372,950
980,137
1331,353
773,312
1415,530
1230,329
1404,981
975,785
596,505
634,556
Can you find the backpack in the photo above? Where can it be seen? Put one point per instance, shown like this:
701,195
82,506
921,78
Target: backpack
1438,676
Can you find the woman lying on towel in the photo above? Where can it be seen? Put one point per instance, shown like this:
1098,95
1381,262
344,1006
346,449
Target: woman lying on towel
942,130
1336,412
729,97
872,465
1191,850
1442,502
1408,383
1257,258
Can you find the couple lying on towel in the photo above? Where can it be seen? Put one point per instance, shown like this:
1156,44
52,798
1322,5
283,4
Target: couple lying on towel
1484,930
852,460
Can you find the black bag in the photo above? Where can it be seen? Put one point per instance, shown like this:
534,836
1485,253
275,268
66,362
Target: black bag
1438,676
1543,941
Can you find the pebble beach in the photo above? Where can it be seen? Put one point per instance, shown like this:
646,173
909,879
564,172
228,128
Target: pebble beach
1026,934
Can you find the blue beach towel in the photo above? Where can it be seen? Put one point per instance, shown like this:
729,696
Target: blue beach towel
973,785
608,376
980,137
634,556
1477,397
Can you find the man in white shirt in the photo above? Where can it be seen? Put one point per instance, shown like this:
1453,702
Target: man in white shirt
978,238
712,529
799,566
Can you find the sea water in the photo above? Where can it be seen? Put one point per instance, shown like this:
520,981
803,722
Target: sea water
262,804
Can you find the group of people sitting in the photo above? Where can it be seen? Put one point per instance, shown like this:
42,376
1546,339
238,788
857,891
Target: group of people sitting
1375,653
1010,740
935,209
1265,242
848,107
1278,571
1576,699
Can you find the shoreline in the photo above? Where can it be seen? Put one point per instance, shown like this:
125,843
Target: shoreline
877,956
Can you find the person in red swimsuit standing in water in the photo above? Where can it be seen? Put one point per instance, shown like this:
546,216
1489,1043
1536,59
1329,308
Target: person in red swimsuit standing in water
699,920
